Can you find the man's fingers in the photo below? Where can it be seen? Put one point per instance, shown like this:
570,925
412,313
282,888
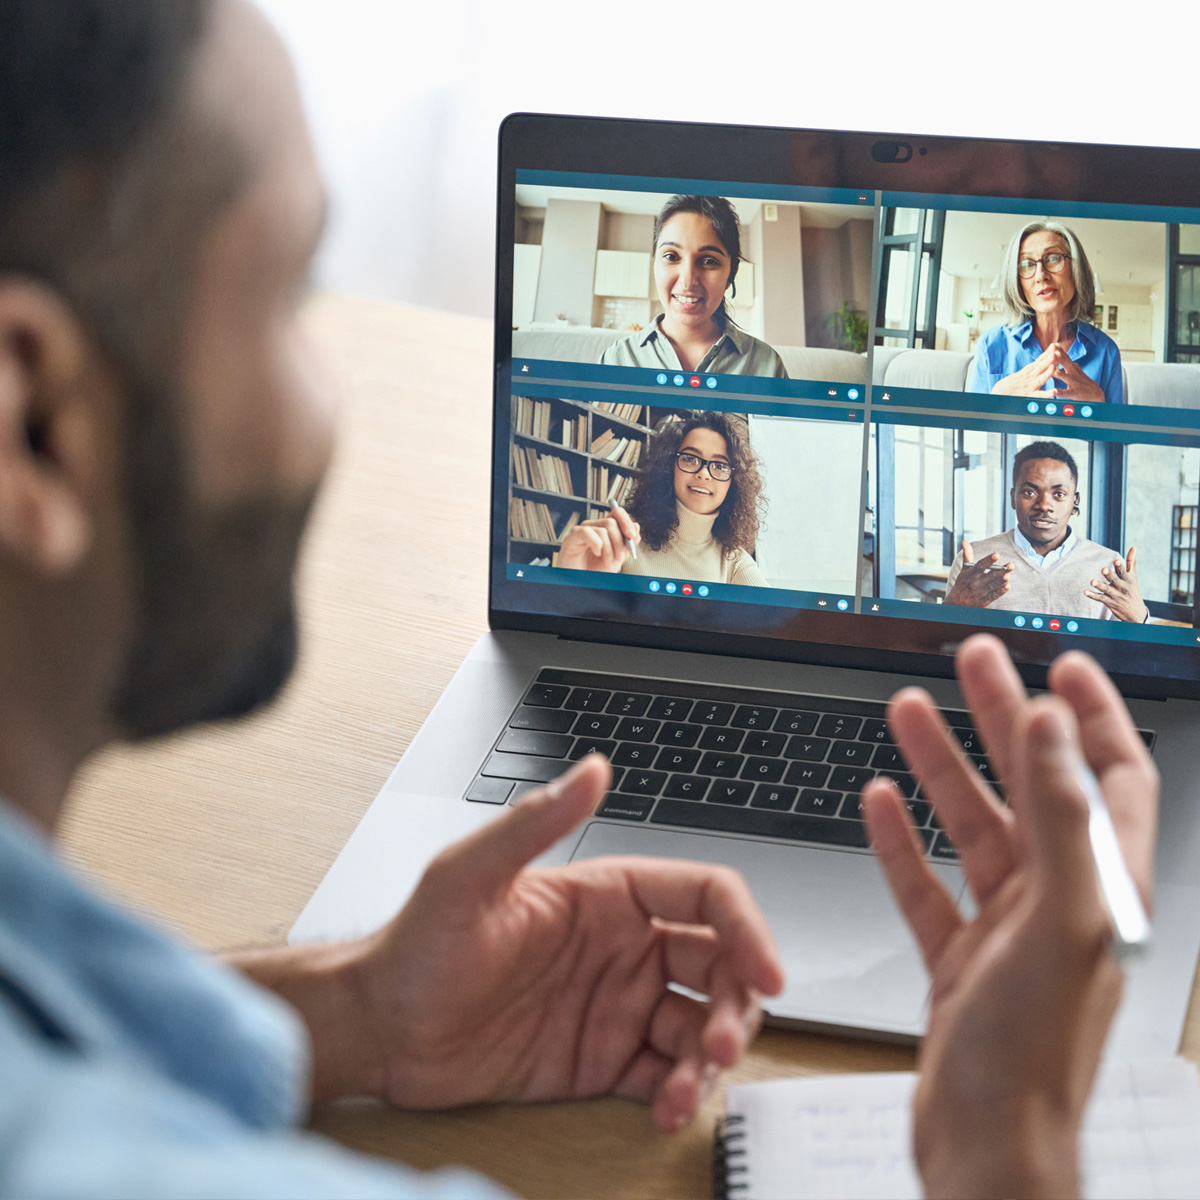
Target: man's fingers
993,691
927,907
1131,559
481,866
967,553
968,810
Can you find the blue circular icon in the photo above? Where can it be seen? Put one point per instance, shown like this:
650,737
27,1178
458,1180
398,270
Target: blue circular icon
654,585
703,590
853,393
678,381
661,377
1032,406
1018,621
1072,626
843,605
1036,622
710,383
1051,409
1086,411
670,587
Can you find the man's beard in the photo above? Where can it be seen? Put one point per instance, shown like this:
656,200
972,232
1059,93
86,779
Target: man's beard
216,635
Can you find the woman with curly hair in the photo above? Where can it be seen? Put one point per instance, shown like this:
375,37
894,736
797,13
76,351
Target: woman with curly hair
694,512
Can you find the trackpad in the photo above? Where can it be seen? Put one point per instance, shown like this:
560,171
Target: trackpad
849,957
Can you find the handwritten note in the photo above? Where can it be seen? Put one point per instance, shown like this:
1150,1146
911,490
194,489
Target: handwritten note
849,1135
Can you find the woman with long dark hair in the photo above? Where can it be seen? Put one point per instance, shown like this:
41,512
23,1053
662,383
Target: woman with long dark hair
694,513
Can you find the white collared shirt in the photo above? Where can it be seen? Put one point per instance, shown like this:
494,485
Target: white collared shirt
1044,560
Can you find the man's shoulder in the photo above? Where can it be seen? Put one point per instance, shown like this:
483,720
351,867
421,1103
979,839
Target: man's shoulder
999,543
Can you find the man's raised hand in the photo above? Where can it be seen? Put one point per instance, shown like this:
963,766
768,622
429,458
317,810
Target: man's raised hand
979,583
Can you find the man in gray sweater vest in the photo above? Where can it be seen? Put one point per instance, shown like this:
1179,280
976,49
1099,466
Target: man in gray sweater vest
1043,565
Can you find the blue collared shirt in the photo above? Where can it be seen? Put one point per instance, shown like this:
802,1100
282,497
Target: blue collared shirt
1005,349
1051,557
131,1066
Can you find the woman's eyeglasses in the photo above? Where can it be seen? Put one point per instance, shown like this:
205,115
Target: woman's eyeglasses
690,464
1053,263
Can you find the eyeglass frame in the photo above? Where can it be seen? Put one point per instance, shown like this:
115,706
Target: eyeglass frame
704,462
1041,262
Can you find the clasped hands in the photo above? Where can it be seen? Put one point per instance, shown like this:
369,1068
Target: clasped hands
497,982
1055,362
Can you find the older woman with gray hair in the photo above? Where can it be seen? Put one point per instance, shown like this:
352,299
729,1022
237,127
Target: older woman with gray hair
1049,348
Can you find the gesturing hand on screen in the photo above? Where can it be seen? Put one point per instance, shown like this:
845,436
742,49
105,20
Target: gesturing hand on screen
599,545
979,583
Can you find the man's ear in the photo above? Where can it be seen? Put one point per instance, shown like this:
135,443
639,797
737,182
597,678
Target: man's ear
48,429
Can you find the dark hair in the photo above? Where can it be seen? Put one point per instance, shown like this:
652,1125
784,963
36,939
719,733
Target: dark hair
724,219
1044,450
653,502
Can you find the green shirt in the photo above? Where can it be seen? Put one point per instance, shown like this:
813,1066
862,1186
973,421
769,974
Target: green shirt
735,352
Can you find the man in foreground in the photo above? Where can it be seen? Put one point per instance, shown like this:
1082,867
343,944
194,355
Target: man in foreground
160,442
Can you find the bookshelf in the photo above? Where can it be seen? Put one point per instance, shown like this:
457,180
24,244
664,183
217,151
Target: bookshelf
1183,553
567,462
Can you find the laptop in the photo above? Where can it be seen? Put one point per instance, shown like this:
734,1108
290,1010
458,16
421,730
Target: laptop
810,366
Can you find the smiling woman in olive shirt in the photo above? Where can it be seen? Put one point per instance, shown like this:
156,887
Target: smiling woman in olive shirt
697,250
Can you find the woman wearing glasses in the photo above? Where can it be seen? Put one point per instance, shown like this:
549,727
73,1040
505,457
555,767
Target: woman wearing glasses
1049,348
694,512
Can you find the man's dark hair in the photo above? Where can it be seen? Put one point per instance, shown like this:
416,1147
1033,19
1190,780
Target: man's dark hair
1044,450
724,219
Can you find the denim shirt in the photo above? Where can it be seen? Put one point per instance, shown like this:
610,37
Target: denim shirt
1005,349
131,1066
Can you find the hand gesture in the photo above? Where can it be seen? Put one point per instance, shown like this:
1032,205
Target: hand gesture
500,983
1023,993
1119,590
979,584
1030,380
599,545
1070,383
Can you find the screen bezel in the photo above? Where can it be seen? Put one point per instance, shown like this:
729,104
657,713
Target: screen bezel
1021,170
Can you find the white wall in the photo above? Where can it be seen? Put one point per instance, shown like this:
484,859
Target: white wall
406,98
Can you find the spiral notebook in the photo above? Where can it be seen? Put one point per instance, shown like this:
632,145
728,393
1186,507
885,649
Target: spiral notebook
849,1136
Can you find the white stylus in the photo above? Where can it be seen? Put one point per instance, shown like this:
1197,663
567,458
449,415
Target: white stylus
1130,924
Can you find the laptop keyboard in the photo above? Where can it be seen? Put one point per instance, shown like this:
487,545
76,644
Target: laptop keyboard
698,756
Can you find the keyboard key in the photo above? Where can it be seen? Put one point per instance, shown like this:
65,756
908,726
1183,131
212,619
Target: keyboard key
585,746
875,731
590,724
624,807
835,725
852,807
634,754
552,720
850,779
852,754
670,759
808,749
587,699
983,767
807,774
546,695
686,787
725,766
490,791
921,811
969,740
523,766
709,712
749,716
764,770
530,741
721,739
628,704
760,822
813,801
776,796
637,729
670,708
903,780
888,758
643,783
943,847
794,720
763,743
730,791
675,733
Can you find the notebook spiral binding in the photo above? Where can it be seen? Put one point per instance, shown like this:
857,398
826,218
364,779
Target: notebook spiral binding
729,1154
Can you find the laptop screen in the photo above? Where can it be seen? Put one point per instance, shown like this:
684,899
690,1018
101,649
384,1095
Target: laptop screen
782,415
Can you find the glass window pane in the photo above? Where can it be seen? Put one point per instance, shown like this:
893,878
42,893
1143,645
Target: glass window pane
899,286
1161,489
1189,239
905,220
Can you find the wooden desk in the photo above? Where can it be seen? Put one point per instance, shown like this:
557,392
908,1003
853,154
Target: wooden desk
224,833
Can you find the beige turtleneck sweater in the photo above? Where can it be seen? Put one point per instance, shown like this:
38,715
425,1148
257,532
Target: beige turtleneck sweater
694,554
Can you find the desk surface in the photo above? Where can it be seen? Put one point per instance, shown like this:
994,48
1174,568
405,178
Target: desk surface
223,833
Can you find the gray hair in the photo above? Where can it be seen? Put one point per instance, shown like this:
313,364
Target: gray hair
1083,303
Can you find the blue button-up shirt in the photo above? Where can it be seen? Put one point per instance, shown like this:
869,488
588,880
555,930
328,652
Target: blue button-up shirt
131,1066
1005,349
